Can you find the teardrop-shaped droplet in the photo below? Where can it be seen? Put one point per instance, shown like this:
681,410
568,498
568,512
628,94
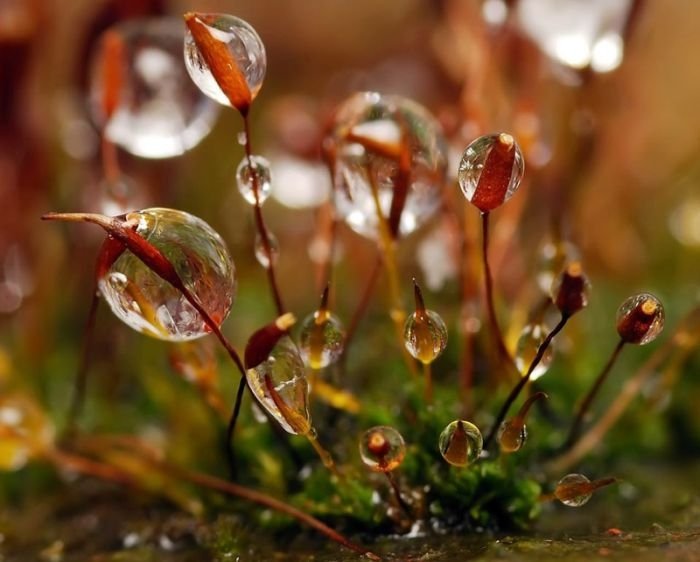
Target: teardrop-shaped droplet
425,335
25,432
640,319
266,254
321,339
512,435
490,171
157,111
372,134
572,490
280,386
532,336
244,45
258,176
461,443
147,303
382,448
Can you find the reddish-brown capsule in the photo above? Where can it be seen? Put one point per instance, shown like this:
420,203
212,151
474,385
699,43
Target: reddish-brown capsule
640,319
570,290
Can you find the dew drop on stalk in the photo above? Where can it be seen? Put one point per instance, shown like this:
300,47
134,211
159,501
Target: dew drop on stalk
322,337
151,305
512,436
573,490
244,45
247,176
370,133
261,253
532,336
382,448
461,443
24,431
424,332
640,319
571,289
159,112
490,171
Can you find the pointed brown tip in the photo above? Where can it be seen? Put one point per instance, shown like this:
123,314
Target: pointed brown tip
418,295
324,298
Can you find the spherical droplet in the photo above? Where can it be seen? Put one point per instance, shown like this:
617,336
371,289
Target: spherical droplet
461,443
159,112
242,42
280,386
512,436
321,339
372,134
24,431
261,252
151,305
382,448
247,176
425,335
532,336
490,171
568,490
640,319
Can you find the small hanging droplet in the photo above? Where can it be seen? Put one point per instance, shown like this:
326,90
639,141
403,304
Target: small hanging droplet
490,172
571,289
532,336
574,490
25,431
461,443
244,45
424,333
322,337
640,319
512,433
382,448
242,138
261,252
247,176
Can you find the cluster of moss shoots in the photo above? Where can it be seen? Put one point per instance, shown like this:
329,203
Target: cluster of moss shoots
167,274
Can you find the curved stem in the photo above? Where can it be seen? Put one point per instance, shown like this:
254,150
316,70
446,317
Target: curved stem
517,389
428,375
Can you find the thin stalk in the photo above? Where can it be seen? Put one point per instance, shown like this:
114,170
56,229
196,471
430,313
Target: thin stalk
324,455
575,430
89,467
428,376
397,493
260,222
110,159
517,389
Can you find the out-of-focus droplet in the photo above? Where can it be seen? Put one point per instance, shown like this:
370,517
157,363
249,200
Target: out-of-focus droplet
494,12
424,332
261,252
490,171
321,339
280,386
437,263
532,336
118,195
242,138
371,131
159,112
640,319
25,432
244,45
573,490
461,443
512,436
151,305
382,448
300,184
247,176
553,257
570,289
684,222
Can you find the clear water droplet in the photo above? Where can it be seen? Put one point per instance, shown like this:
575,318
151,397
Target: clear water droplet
481,176
261,253
24,431
382,448
160,112
568,493
512,436
244,44
242,138
461,443
280,386
425,335
571,289
640,319
369,132
247,176
532,336
151,305
321,339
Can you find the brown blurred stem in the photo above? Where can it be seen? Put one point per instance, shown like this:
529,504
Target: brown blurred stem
397,493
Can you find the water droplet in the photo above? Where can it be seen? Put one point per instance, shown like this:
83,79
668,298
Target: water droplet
640,319
371,131
512,435
532,336
118,196
571,289
382,448
425,335
247,176
242,42
573,490
553,257
490,171
461,443
160,113
280,386
24,431
321,339
242,138
147,303
261,253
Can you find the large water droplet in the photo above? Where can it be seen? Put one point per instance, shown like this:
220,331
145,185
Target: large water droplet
461,443
382,448
640,319
321,339
512,435
370,132
425,335
568,492
160,113
147,303
532,336
242,42
248,176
